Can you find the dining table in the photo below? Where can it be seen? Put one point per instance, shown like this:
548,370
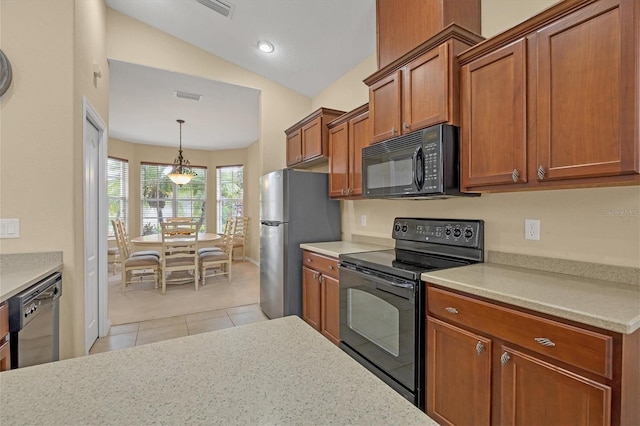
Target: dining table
204,239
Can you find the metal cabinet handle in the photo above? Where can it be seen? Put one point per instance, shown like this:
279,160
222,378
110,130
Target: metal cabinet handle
544,341
330,267
315,275
342,191
405,126
309,259
479,347
515,175
393,130
504,358
541,172
451,310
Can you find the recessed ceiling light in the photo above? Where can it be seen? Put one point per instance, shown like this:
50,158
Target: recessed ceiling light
265,46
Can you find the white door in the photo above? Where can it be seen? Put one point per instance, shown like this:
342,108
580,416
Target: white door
91,221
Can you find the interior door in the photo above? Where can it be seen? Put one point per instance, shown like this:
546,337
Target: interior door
91,250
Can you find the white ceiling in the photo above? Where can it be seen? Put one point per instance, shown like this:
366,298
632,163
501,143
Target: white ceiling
143,108
316,42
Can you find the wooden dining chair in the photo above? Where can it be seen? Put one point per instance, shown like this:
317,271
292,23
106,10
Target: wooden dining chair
240,234
217,261
179,249
121,232
135,267
229,229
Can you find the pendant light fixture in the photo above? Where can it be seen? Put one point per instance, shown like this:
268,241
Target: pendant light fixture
181,173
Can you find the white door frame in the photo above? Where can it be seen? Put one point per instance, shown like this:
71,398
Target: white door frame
89,113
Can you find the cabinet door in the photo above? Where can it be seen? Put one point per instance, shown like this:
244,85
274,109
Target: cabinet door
385,107
339,160
359,137
294,147
426,90
586,89
311,297
535,392
312,143
494,117
458,371
330,304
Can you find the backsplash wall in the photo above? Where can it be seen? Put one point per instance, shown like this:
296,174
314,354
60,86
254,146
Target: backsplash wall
600,225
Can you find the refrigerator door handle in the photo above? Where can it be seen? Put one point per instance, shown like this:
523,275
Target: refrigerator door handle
270,223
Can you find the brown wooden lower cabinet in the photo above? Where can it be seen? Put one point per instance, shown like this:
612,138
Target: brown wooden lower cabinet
5,352
459,375
492,364
320,294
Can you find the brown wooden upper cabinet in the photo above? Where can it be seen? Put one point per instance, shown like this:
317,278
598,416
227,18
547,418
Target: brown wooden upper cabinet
421,88
554,101
348,134
307,140
403,25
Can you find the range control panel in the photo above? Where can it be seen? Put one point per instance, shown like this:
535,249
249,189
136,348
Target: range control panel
463,233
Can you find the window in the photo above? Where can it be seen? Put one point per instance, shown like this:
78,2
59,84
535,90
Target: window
117,191
161,198
229,194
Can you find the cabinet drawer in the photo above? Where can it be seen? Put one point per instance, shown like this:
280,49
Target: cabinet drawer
322,264
4,321
582,348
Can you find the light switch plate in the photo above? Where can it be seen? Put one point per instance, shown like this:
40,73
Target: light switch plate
9,228
363,220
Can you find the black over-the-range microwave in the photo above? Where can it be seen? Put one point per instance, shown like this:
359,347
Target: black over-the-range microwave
421,164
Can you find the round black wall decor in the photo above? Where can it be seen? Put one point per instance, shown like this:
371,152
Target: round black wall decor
5,73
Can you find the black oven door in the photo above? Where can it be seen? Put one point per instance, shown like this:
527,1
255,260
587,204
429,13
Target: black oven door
378,325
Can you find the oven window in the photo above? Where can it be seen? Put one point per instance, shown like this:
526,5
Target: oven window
375,319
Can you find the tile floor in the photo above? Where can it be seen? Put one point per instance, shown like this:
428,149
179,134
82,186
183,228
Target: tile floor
140,333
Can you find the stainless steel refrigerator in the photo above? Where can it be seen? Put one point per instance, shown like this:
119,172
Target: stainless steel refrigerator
295,208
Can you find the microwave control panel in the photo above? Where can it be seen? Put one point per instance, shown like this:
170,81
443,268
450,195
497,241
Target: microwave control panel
432,167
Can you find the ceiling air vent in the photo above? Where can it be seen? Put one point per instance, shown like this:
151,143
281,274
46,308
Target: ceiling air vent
186,95
223,9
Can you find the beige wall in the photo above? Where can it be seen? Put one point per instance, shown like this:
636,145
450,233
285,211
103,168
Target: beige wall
500,15
52,47
597,225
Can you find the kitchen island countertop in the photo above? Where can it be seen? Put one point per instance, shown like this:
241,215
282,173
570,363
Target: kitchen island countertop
336,248
273,372
608,305
19,271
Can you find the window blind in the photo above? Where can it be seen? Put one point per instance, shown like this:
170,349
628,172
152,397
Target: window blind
161,198
229,194
117,191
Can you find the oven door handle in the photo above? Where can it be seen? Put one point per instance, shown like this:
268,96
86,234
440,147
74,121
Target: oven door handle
379,280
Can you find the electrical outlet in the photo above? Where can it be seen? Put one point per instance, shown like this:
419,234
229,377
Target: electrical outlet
363,220
532,229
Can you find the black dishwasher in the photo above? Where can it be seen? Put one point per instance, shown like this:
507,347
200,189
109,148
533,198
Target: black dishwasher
34,323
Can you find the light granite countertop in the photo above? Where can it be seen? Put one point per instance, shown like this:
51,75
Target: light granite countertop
273,372
336,248
19,271
608,305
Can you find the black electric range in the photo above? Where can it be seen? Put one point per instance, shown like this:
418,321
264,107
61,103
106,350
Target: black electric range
382,299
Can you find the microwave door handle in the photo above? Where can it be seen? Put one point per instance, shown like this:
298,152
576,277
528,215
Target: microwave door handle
418,168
